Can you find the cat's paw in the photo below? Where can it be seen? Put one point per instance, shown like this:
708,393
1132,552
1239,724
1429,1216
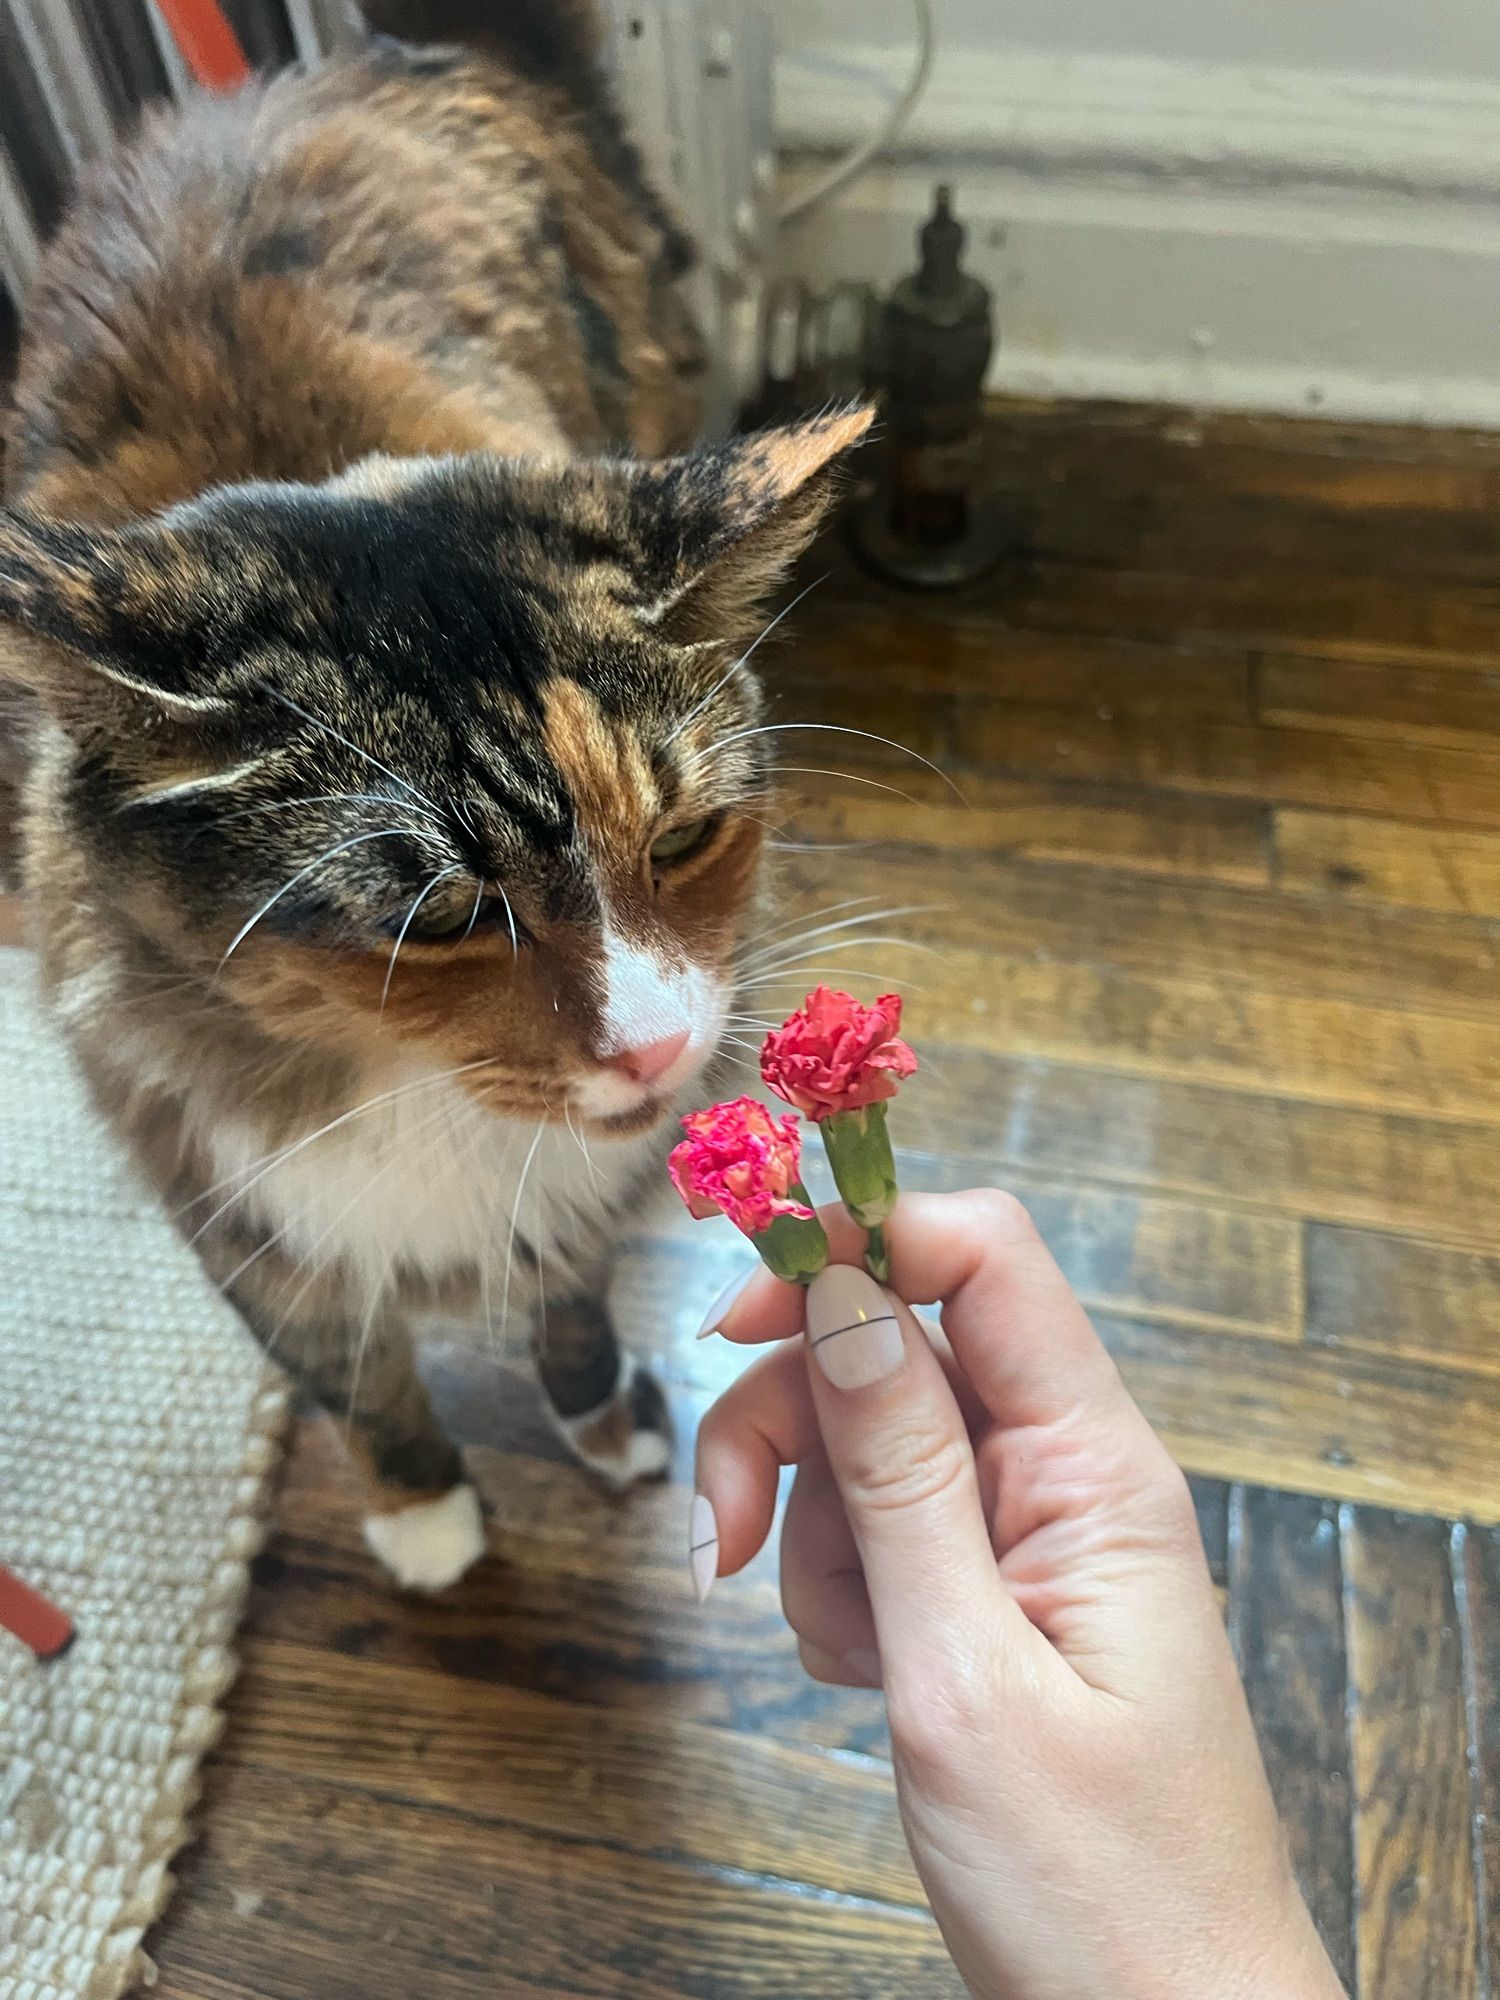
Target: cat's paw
629,1438
429,1544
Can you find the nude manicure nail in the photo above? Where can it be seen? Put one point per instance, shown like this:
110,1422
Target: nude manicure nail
703,1546
720,1307
852,1328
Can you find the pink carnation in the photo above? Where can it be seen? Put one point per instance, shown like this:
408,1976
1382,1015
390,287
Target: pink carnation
835,1055
740,1160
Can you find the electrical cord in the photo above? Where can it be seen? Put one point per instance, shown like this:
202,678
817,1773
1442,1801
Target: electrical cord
853,164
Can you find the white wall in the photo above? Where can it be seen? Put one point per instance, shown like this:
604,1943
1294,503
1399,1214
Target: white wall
1391,37
1283,204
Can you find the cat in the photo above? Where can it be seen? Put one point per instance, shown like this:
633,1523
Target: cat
394,817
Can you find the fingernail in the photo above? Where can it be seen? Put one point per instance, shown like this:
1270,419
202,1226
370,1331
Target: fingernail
720,1307
852,1327
703,1546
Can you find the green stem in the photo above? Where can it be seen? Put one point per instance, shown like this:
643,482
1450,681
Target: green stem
877,1255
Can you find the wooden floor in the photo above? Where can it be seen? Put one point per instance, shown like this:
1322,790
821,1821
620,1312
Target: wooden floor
1211,980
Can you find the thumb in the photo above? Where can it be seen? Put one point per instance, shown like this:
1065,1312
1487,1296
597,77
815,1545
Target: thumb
900,1452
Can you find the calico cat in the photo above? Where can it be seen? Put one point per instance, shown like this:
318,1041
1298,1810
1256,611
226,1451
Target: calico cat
394,819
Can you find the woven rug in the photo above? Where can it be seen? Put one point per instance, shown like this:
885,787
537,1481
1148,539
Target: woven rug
138,1428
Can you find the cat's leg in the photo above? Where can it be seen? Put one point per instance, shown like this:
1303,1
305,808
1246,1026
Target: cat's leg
424,1521
609,1408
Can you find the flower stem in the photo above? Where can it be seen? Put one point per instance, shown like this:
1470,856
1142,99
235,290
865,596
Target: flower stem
877,1255
795,1247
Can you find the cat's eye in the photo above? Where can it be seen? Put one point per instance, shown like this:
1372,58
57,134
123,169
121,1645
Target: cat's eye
681,841
448,925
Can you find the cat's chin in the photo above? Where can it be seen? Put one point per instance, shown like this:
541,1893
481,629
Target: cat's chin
630,1124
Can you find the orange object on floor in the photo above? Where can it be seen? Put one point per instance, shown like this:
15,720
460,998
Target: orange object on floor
34,1619
208,43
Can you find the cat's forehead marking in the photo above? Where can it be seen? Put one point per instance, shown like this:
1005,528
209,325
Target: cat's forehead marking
606,772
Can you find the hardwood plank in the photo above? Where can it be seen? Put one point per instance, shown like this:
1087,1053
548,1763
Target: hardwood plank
584,1598
634,1782
1417,1926
1233,936
1145,1257
994,1113
1344,618
1391,1295
848,650
1346,1426
1210,840
1241,1038
1477,1573
1141,1254
807,706
1282,441
1450,870
1299,767
301,1888
1211,1503
1286,1618
1403,703
1157,517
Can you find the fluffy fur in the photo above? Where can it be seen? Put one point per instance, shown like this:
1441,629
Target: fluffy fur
394,817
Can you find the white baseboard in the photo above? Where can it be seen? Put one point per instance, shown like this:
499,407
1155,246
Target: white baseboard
1220,237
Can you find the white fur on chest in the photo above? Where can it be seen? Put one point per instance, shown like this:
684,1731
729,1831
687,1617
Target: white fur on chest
428,1183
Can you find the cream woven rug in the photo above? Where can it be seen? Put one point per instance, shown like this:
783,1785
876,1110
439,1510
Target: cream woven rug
138,1427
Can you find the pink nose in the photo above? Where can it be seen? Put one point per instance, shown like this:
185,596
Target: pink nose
654,1059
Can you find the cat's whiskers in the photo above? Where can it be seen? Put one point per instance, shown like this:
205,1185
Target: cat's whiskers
366,1332
433,1119
581,1143
325,798
515,1223
850,777
349,744
827,729
729,673
329,854
794,970
806,916
379,1290
443,875
814,846
510,917
268,1162
487,1245
848,926
803,961
310,1262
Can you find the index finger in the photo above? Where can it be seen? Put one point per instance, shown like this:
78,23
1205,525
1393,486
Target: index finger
765,1307
1018,1332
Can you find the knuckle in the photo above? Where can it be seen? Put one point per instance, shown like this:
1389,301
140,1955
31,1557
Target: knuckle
1002,1215
937,1720
913,1467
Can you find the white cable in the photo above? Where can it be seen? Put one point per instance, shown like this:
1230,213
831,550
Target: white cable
854,163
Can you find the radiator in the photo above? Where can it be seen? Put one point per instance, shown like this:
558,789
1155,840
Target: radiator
693,77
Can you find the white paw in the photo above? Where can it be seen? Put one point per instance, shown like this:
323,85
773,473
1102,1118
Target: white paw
629,1438
430,1544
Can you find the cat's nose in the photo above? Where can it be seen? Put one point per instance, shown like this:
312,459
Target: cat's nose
652,1059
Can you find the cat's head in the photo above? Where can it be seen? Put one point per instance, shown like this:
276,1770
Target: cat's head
454,761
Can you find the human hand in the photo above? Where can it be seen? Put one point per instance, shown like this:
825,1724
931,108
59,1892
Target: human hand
983,1523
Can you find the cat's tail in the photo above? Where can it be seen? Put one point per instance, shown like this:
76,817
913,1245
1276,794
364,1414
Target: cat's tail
554,42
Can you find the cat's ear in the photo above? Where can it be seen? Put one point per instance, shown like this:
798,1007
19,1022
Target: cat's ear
730,521
90,612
